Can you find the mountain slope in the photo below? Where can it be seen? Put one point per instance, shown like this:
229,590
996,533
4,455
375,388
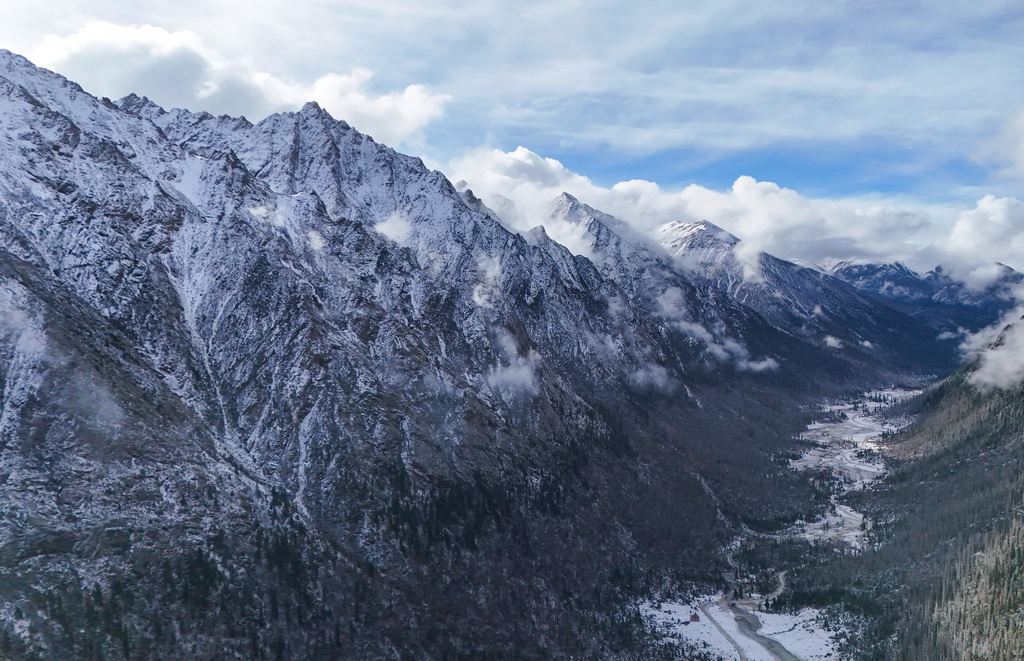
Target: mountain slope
943,579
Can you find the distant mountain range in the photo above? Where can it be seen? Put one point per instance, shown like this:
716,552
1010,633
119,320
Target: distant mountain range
935,297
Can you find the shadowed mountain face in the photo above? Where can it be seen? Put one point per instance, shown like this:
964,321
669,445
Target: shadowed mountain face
278,391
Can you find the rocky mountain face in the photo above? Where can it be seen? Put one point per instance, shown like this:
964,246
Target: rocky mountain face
278,391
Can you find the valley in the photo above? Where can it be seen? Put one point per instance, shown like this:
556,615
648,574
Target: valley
735,624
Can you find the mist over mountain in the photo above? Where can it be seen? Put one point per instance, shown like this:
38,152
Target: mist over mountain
276,390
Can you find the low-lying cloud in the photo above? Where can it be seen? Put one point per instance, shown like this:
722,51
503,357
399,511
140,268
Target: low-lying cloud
516,374
723,348
990,232
520,185
395,227
999,350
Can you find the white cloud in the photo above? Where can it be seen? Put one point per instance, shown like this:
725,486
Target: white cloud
833,342
518,373
993,231
177,69
727,349
618,81
486,291
516,376
1006,150
723,348
316,240
719,76
1000,353
396,227
651,375
671,303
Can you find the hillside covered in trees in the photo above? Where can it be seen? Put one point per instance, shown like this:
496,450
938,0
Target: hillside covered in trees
943,578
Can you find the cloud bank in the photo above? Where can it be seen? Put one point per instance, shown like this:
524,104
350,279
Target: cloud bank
177,69
621,83
520,185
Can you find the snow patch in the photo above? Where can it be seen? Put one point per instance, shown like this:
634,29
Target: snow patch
710,625
847,444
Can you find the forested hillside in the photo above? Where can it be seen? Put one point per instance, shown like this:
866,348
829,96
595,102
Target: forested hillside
944,579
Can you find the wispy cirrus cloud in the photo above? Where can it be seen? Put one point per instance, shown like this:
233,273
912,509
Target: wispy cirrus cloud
713,78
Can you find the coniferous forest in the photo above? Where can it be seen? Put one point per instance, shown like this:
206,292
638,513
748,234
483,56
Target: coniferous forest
943,578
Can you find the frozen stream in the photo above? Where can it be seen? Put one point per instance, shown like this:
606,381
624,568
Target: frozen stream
737,629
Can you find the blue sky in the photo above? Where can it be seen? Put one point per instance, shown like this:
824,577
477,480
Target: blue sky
900,117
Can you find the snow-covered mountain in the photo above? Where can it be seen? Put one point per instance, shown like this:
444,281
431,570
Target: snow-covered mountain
934,297
277,389
800,301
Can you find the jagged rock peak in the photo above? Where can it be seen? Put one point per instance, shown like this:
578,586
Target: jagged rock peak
9,59
568,207
139,105
314,109
22,71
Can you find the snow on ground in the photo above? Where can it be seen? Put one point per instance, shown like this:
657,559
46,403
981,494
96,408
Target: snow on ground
717,631
674,620
847,446
719,612
846,525
800,633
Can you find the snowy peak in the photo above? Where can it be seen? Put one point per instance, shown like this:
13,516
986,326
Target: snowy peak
568,208
708,251
950,291
139,105
601,237
680,237
890,279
